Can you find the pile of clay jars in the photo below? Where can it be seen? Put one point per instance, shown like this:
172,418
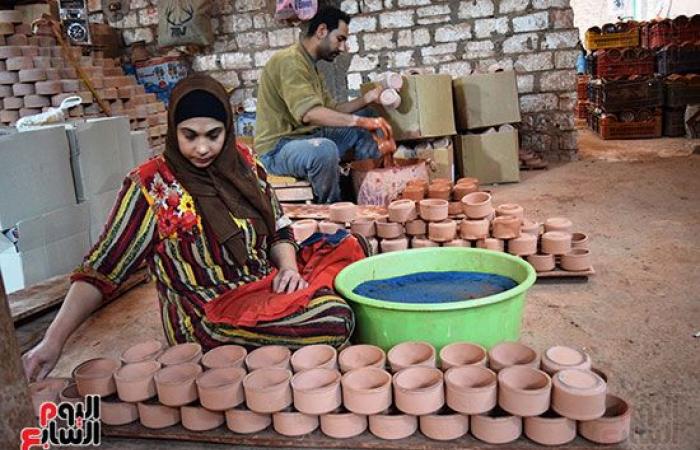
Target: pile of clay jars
498,395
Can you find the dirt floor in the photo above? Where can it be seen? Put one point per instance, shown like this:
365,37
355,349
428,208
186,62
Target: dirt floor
637,317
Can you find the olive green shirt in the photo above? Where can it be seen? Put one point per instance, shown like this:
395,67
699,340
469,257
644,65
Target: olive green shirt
289,86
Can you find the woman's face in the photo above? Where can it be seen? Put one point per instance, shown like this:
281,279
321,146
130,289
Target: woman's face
200,140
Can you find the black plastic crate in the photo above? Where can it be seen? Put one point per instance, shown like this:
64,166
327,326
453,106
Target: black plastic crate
632,93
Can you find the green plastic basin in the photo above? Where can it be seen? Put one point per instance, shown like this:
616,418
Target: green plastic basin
486,321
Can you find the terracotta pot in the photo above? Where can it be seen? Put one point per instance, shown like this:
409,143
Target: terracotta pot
342,424
559,358
470,389
542,263
328,227
96,376
462,354
494,244
244,421
394,245
613,427
433,210
578,394
445,425
189,352
314,357
496,427
510,209
402,211
225,356
389,230
362,355
363,226
422,242
366,390
524,391
505,227
441,182
558,224
454,208
46,390
196,418
443,231
550,429
577,260
70,394
411,353
156,416
468,180
268,356
477,205
268,390
457,243
176,384
462,189
303,229
342,212
556,243
419,182
221,389
508,354
143,351
416,228
415,193
389,98
474,229
115,412
135,381
392,425
293,423
579,240
530,227
524,245
419,390
316,391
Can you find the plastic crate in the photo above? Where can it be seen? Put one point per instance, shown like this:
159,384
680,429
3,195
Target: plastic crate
681,90
674,122
646,124
581,109
679,59
620,95
609,37
623,62
582,87
658,34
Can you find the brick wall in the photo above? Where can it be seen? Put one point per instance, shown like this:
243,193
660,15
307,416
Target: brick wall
537,38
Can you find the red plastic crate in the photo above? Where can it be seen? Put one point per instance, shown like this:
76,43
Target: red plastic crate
624,62
644,124
581,109
582,86
632,93
657,34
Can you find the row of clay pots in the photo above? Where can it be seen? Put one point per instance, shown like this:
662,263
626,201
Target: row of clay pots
440,189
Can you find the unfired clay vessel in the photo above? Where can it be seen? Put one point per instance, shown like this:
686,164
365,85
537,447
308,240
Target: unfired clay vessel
577,260
457,243
505,227
542,263
508,354
361,355
389,230
176,384
613,427
578,394
524,245
294,423
135,381
316,391
314,357
550,429
422,242
556,243
328,227
394,245
156,416
392,425
389,98
470,389
462,354
579,240
244,421
221,389
445,425
558,224
143,351
560,357
46,390
411,353
468,180
96,376
524,391
402,211
439,191
416,228
367,390
342,212
494,244
419,390
530,227
343,424
363,226
462,189
454,209
496,427
225,356
268,390
303,229
510,209
474,229
477,205
189,352
415,193
443,231
196,418
115,412
269,356
433,210
70,394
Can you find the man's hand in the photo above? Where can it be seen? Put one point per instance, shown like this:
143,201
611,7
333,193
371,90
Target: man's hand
372,96
288,280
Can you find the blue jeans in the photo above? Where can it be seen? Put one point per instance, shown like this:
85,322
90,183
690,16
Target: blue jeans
316,157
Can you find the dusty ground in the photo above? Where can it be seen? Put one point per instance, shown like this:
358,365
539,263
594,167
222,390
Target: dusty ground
636,317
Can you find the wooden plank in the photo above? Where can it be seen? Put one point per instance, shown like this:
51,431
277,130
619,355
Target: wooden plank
294,194
558,273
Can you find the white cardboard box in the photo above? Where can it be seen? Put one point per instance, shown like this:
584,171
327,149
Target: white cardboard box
139,147
99,207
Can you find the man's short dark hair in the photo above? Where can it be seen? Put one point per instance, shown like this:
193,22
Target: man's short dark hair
328,15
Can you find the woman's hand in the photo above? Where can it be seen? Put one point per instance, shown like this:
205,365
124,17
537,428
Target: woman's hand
40,361
288,280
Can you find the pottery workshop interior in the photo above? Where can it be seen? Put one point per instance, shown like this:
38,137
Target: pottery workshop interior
350,224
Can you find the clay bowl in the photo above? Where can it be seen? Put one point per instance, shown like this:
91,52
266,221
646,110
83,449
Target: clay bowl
443,231
96,376
410,353
530,227
496,427
244,421
389,230
46,390
364,227
457,243
463,188
524,391
577,260
362,355
70,394
269,356
415,193
196,418
366,390
550,429
422,242
156,416
471,389
558,224
394,245
342,424
505,227
508,354
477,205
268,390
402,211
462,354
556,243
294,423
314,357
510,209
542,263
221,389
419,183
560,357
225,356
143,351
454,209
419,390
303,229
613,427
524,245
135,381
441,182
392,425
189,352
497,245
342,212
474,229
579,240
578,394
444,425
467,180
328,227
416,228
115,412
439,191
433,210
176,384
317,391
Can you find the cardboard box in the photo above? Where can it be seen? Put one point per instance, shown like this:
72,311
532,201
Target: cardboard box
440,160
99,207
35,174
484,100
426,108
139,147
490,157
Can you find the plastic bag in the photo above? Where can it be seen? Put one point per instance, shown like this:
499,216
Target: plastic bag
295,9
184,22
52,115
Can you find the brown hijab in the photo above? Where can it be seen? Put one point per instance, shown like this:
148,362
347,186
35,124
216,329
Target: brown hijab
227,187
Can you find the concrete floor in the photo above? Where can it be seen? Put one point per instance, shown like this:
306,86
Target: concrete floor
636,317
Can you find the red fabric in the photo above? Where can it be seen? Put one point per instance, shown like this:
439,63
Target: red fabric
318,263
